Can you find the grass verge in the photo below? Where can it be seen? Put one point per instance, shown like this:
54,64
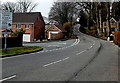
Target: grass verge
20,50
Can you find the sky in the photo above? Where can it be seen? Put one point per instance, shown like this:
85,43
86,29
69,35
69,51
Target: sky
43,5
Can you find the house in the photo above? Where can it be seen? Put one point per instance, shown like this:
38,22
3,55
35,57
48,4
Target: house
54,33
32,23
114,23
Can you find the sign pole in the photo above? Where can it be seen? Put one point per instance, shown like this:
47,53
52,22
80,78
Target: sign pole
5,40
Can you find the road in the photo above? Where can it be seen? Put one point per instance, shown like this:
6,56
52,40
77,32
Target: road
89,59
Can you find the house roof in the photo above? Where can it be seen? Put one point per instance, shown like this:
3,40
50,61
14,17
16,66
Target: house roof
61,29
26,17
116,18
113,19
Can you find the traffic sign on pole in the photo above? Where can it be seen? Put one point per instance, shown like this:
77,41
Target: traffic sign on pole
5,19
5,22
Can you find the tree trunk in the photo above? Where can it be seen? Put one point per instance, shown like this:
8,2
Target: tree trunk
100,19
108,18
97,20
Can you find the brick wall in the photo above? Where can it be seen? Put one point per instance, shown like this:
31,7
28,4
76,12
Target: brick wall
39,29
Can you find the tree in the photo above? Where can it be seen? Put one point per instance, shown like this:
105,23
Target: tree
20,6
97,13
9,6
26,5
108,17
67,26
116,9
61,12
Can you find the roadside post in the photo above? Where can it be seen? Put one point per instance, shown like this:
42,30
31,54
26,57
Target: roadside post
5,23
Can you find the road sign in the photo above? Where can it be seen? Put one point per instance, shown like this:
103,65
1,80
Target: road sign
5,19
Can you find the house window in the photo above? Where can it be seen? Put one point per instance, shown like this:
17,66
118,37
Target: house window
112,29
18,26
27,26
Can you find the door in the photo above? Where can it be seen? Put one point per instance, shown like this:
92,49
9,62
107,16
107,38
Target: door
26,37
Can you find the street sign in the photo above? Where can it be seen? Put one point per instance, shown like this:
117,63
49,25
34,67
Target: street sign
5,19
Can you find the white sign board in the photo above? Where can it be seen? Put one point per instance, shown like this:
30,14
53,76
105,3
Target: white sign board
5,19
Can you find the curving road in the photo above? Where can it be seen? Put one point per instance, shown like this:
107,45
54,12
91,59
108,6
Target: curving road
86,59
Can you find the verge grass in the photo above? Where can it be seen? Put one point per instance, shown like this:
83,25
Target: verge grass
19,50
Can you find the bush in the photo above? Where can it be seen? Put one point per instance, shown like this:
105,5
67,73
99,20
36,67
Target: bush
18,32
68,27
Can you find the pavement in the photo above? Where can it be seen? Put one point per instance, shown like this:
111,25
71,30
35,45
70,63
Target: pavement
86,59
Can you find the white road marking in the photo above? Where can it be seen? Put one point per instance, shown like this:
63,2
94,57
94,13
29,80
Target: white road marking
75,43
8,78
90,47
61,43
81,52
56,62
53,45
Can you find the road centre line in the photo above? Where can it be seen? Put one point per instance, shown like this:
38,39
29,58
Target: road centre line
75,42
90,47
81,52
56,62
8,78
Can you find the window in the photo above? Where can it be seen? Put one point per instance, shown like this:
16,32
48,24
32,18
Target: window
27,26
112,29
18,26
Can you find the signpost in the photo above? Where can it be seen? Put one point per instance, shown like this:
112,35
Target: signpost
5,22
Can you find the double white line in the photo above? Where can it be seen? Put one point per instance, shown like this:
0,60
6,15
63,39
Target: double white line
76,42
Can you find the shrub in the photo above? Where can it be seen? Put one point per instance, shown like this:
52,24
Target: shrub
68,27
18,32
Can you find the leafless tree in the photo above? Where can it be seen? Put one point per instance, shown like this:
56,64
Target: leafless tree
26,5
62,12
20,6
9,6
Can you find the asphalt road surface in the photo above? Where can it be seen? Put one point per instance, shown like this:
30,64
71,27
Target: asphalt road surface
86,59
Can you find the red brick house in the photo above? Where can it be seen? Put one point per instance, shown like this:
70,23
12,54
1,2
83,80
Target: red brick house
54,33
32,22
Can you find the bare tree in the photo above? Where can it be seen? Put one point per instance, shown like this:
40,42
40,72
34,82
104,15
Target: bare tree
26,5
20,6
9,6
62,12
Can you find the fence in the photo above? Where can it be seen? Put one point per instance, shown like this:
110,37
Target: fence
11,42
117,38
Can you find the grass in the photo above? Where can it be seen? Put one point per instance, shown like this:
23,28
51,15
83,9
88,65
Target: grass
20,50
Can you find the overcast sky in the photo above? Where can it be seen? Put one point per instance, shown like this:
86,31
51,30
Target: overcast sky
43,5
